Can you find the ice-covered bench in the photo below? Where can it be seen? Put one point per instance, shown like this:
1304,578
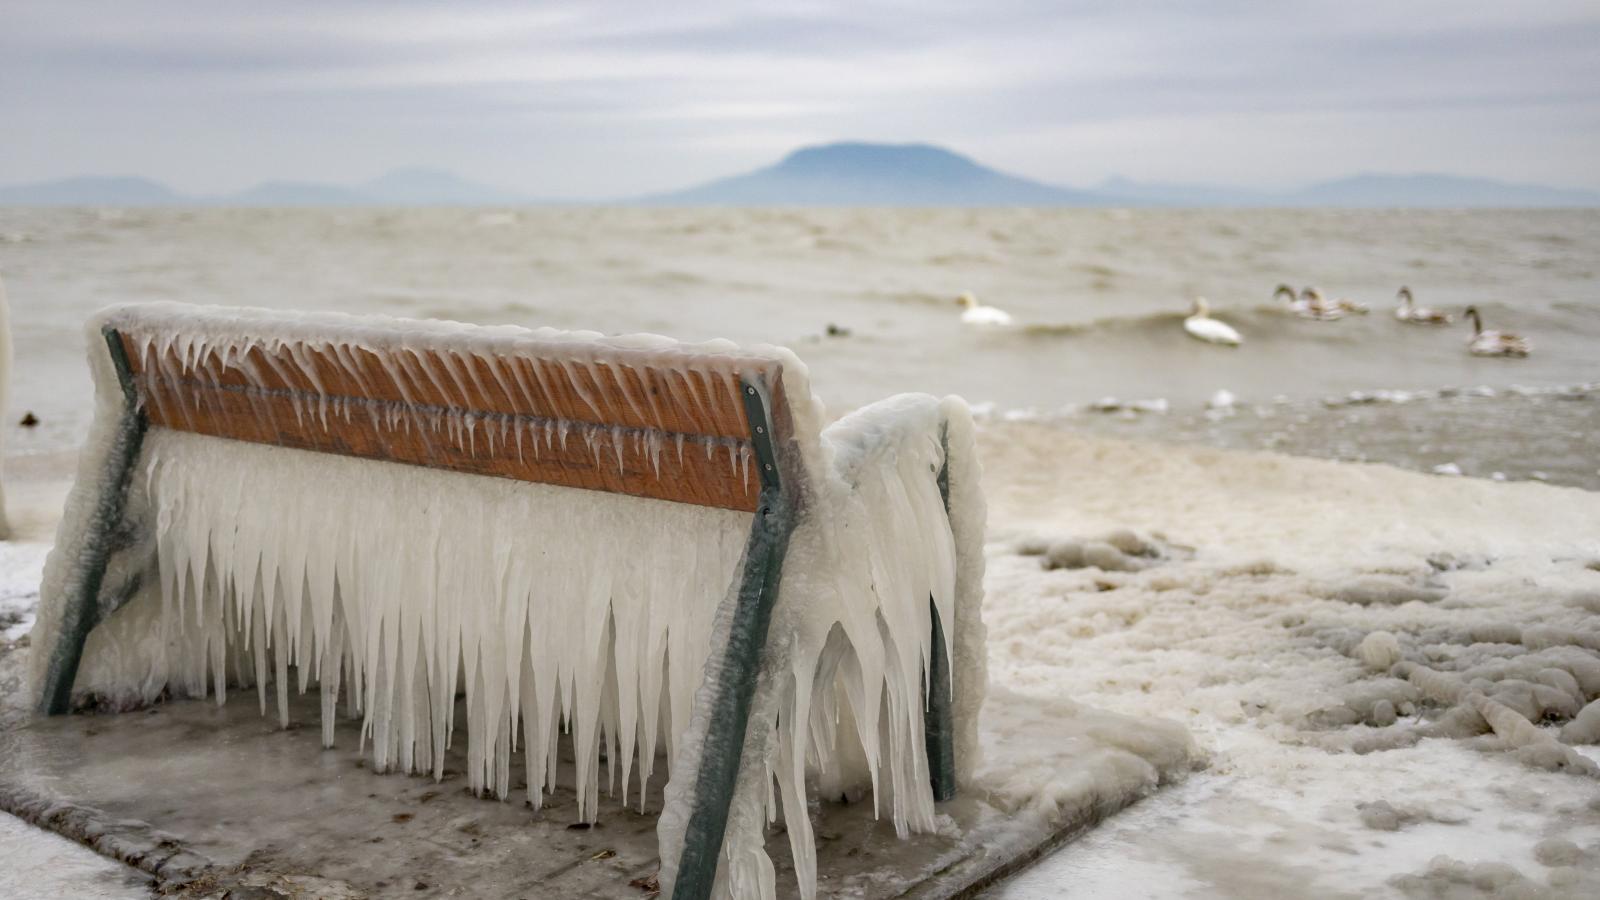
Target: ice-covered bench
647,543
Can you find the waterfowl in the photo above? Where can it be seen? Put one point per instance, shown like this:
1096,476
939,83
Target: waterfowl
1493,343
1419,315
1201,326
1309,304
972,313
1346,305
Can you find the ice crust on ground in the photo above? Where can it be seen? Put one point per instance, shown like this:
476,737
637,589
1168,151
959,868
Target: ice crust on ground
551,610
1354,647
38,864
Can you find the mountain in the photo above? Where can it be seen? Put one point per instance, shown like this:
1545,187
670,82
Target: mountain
92,191
857,174
295,193
842,174
403,187
1360,191
1436,191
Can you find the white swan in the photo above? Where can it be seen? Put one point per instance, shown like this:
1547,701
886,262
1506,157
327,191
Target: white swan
1309,304
1419,315
974,314
1493,343
1201,326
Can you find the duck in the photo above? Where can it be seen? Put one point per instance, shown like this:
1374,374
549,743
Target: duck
973,313
1309,304
1493,343
1419,315
1202,327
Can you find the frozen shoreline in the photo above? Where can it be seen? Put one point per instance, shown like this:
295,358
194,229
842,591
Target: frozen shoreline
1244,630
1249,632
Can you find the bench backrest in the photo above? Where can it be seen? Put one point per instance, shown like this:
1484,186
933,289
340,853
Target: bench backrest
669,421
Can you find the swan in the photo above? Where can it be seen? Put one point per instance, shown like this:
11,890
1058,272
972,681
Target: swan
1493,343
974,314
1346,305
1201,326
1317,306
1419,315
1310,304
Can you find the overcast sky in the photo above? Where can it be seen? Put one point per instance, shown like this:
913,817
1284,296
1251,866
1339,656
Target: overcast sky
588,99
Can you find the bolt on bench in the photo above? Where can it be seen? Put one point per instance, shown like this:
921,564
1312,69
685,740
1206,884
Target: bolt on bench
645,544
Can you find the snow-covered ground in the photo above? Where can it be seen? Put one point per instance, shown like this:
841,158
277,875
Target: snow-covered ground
38,865
1329,775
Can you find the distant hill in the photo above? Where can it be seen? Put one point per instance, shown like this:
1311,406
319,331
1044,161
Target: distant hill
404,187
92,191
842,174
1362,191
294,193
1436,191
856,174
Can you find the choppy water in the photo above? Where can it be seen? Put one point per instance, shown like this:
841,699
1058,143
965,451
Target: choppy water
1099,295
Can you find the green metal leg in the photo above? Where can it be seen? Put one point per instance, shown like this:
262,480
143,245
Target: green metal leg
730,711
938,723
741,666
938,726
81,611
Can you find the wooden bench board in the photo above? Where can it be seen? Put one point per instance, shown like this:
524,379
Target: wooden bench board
225,794
643,429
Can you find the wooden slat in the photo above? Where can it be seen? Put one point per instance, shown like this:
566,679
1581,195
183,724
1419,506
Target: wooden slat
358,406
686,400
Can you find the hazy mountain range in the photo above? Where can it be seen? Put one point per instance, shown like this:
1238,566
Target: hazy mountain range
405,187
843,174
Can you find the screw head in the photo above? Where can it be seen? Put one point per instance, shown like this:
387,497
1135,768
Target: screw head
750,390
760,430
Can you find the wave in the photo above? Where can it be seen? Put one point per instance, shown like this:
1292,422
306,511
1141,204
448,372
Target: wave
1159,320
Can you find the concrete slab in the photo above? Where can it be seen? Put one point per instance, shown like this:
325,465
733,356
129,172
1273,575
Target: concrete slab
210,799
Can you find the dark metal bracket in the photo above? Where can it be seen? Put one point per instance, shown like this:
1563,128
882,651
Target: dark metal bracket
104,534
742,659
938,722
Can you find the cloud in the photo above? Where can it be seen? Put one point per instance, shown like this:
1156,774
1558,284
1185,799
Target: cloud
609,98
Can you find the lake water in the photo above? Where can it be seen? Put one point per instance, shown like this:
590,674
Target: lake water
1098,296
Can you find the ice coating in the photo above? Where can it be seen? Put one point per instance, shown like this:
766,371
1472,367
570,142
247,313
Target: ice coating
358,596
847,653
580,612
